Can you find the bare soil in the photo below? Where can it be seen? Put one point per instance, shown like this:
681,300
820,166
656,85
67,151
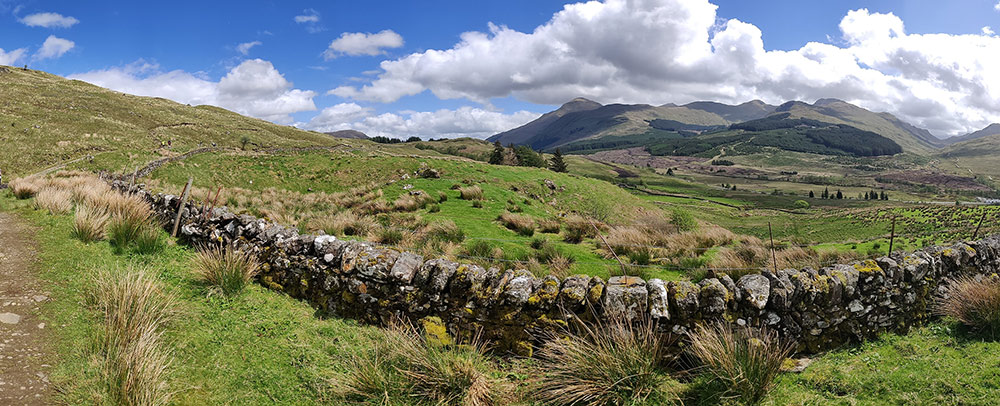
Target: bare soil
24,354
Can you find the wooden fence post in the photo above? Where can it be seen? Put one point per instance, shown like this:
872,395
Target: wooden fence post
184,197
598,231
976,234
892,235
774,258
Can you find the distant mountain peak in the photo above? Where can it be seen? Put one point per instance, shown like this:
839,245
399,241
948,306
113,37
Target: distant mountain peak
828,101
579,104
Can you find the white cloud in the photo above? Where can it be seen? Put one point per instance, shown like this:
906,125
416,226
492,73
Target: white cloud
658,51
49,20
309,16
997,6
54,47
360,43
244,48
462,122
254,88
988,31
9,58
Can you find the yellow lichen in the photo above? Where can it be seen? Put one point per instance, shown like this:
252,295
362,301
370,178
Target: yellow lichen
868,266
435,331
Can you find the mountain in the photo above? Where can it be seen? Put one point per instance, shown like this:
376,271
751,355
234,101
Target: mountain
349,134
564,126
833,111
521,134
47,120
750,110
992,129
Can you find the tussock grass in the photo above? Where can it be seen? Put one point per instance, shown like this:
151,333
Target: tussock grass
389,236
25,188
975,302
616,363
522,224
89,224
55,201
345,223
549,226
746,360
577,229
133,225
134,309
226,269
406,364
473,192
445,231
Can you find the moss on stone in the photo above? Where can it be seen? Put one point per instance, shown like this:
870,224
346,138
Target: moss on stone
868,266
435,331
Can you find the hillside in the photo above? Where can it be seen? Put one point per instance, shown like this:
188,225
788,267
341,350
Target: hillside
562,126
48,120
834,111
349,134
750,110
992,129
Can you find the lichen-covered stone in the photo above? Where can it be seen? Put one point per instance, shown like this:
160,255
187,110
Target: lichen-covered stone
659,300
683,299
713,297
755,290
626,296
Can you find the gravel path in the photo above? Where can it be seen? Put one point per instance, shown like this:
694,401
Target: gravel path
23,349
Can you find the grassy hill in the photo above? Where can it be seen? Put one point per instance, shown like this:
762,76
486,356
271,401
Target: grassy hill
47,120
834,111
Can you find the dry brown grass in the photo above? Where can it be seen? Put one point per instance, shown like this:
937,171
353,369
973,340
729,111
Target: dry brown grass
135,310
973,301
55,201
522,224
226,269
89,223
577,229
345,223
26,188
745,359
471,192
549,226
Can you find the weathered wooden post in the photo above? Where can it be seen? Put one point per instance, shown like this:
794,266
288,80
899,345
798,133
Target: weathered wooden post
774,258
892,235
184,196
981,218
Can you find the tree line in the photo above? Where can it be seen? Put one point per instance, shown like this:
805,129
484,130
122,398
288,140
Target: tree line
523,155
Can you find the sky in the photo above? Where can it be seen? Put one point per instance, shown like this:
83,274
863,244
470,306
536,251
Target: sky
453,68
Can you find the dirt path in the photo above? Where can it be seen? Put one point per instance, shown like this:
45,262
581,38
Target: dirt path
23,349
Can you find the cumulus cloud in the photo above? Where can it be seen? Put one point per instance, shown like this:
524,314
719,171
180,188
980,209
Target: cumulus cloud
9,58
54,47
360,43
49,20
658,51
254,88
462,122
997,6
988,31
244,48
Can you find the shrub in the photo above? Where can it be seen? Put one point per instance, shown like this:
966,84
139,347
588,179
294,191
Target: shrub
134,310
226,269
25,188
56,201
683,220
538,243
801,204
974,303
88,224
445,231
522,224
618,363
745,360
407,365
470,192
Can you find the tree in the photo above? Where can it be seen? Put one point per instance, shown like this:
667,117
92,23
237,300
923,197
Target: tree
826,193
244,140
413,139
883,196
528,157
812,195
557,163
496,158
867,196
840,195
670,171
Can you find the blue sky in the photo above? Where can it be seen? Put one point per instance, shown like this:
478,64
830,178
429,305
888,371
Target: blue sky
404,68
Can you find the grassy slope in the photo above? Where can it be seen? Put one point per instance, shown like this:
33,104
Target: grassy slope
843,113
46,120
259,348
341,170
264,348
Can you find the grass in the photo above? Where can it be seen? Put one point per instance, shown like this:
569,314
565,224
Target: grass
616,363
89,224
56,201
471,192
226,269
134,310
973,302
745,360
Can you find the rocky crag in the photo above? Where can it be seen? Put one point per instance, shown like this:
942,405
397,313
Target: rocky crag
820,309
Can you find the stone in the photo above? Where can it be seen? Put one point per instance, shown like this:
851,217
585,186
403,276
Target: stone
712,297
10,318
659,300
626,296
406,267
755,290
39,298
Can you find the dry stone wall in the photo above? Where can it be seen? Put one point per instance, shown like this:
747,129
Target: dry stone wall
819,308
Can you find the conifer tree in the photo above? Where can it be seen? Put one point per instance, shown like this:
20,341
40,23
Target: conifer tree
496,158
556,163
